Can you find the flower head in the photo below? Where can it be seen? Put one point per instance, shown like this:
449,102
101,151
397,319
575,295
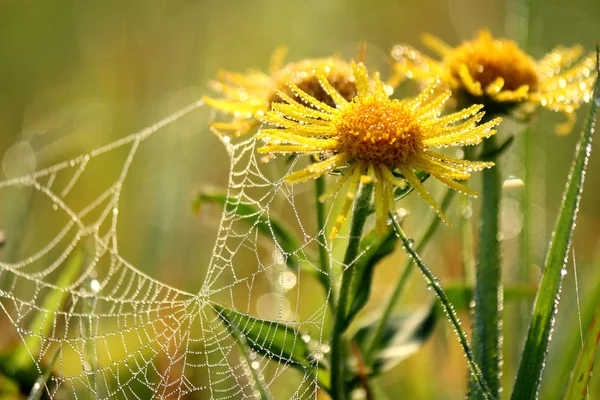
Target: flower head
497,73
247,95
373,138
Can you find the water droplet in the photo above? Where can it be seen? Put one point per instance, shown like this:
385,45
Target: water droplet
563,271
318,355
287,280
513,183
255,365
55,206
358,394
95,285
306,338
467,212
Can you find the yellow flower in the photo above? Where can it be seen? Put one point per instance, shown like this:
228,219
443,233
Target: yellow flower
497,73
375,139
247,95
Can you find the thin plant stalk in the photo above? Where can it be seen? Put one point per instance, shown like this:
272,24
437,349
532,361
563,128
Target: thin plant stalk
406,273
338,346
434,283
487,326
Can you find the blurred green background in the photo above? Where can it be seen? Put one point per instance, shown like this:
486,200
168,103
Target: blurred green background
75,75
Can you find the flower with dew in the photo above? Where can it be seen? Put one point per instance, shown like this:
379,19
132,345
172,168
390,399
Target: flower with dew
497,73
375,139
251,94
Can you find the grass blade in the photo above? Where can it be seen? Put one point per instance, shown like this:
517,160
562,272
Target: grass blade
580,376
530,371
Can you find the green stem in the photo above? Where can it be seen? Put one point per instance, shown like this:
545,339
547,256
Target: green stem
466,231
524,12
338,347
324,261
528,157
434,283
487,327
406,273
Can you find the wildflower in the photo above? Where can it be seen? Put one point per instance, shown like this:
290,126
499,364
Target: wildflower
497,73
375,139
247,95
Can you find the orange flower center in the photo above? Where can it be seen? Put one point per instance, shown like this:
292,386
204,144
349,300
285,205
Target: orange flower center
487,58
379,131
302,74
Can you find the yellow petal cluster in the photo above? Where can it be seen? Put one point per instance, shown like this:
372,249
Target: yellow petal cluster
497,73
374,139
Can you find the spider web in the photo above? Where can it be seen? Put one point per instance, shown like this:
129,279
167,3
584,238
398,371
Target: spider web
115,332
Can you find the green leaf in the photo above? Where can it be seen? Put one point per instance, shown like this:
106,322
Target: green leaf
580,377
276,341
533,359
376,248
403,335
269,226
